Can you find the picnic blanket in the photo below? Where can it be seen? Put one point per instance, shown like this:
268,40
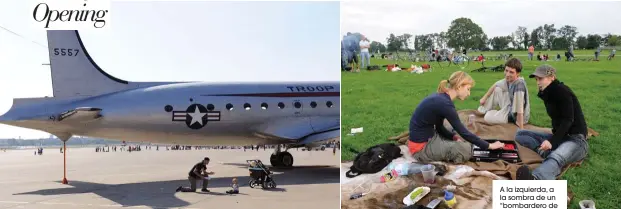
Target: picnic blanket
474,190
502,132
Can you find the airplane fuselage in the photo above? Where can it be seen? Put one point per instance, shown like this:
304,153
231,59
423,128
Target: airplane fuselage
197,113
87,101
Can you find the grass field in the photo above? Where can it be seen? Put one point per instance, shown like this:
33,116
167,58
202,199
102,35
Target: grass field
382,103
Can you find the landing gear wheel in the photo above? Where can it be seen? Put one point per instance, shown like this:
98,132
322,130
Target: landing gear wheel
275,161
284,159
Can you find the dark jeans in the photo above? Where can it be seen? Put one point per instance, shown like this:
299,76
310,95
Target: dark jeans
193,182
573,149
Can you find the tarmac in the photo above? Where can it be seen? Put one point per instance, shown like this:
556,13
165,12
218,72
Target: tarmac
149,178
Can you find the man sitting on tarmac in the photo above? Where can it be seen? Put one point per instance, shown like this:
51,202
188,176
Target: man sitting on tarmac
198,172
510,95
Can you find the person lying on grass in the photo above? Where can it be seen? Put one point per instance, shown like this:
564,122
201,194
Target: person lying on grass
429,139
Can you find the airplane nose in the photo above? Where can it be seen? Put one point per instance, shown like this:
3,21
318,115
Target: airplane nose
6,102
7,95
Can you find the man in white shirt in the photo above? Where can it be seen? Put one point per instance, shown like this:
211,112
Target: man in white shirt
364,51
510,95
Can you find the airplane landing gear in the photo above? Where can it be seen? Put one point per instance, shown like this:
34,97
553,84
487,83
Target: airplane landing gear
64,181
281,159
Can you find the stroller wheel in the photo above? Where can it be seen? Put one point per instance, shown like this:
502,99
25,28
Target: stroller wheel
252,183
271,184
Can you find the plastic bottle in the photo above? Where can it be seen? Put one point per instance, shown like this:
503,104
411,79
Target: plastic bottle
400,167
414,168
404,168
449,199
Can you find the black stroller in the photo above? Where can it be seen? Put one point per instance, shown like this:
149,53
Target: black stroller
260,175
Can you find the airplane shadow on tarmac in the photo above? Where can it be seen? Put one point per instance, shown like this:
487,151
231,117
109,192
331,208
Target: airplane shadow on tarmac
161,194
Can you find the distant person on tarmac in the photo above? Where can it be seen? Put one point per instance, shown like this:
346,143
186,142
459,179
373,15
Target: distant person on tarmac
197,173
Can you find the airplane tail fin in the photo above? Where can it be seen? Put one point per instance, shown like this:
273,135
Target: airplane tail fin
74,73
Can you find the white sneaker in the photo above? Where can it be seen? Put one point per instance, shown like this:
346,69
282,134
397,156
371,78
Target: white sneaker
482,110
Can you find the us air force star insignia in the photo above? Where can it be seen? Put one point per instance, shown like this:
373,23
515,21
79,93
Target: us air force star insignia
196,116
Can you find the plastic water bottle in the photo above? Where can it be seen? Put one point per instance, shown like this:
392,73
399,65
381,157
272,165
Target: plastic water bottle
405,168
414,168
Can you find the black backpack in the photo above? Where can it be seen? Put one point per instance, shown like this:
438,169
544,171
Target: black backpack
374,159
374,67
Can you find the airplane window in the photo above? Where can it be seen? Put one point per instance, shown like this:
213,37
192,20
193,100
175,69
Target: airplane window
229,106
281,105
264,105
210,107
329,104
313,104
247,106
168,108
297,104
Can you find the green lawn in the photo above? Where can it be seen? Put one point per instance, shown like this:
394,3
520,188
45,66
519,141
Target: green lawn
382,102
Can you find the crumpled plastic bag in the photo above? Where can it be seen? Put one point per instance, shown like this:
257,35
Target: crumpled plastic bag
460,170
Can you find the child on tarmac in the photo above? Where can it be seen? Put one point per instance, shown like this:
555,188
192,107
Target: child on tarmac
235,186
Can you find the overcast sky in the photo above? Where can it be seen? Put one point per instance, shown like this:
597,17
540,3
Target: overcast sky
179,41
377,20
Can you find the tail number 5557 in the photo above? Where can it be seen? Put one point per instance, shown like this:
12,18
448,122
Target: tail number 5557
66,52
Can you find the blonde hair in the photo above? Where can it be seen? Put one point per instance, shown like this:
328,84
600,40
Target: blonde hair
456,81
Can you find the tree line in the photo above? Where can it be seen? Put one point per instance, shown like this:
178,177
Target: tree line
463,33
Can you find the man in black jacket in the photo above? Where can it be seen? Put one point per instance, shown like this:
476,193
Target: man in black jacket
567,143
197,173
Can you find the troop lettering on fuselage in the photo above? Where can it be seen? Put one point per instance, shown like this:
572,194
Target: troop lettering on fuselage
311,88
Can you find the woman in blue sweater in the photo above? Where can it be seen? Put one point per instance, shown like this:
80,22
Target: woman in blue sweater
429,139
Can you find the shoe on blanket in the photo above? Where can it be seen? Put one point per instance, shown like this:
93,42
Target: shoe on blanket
523,173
